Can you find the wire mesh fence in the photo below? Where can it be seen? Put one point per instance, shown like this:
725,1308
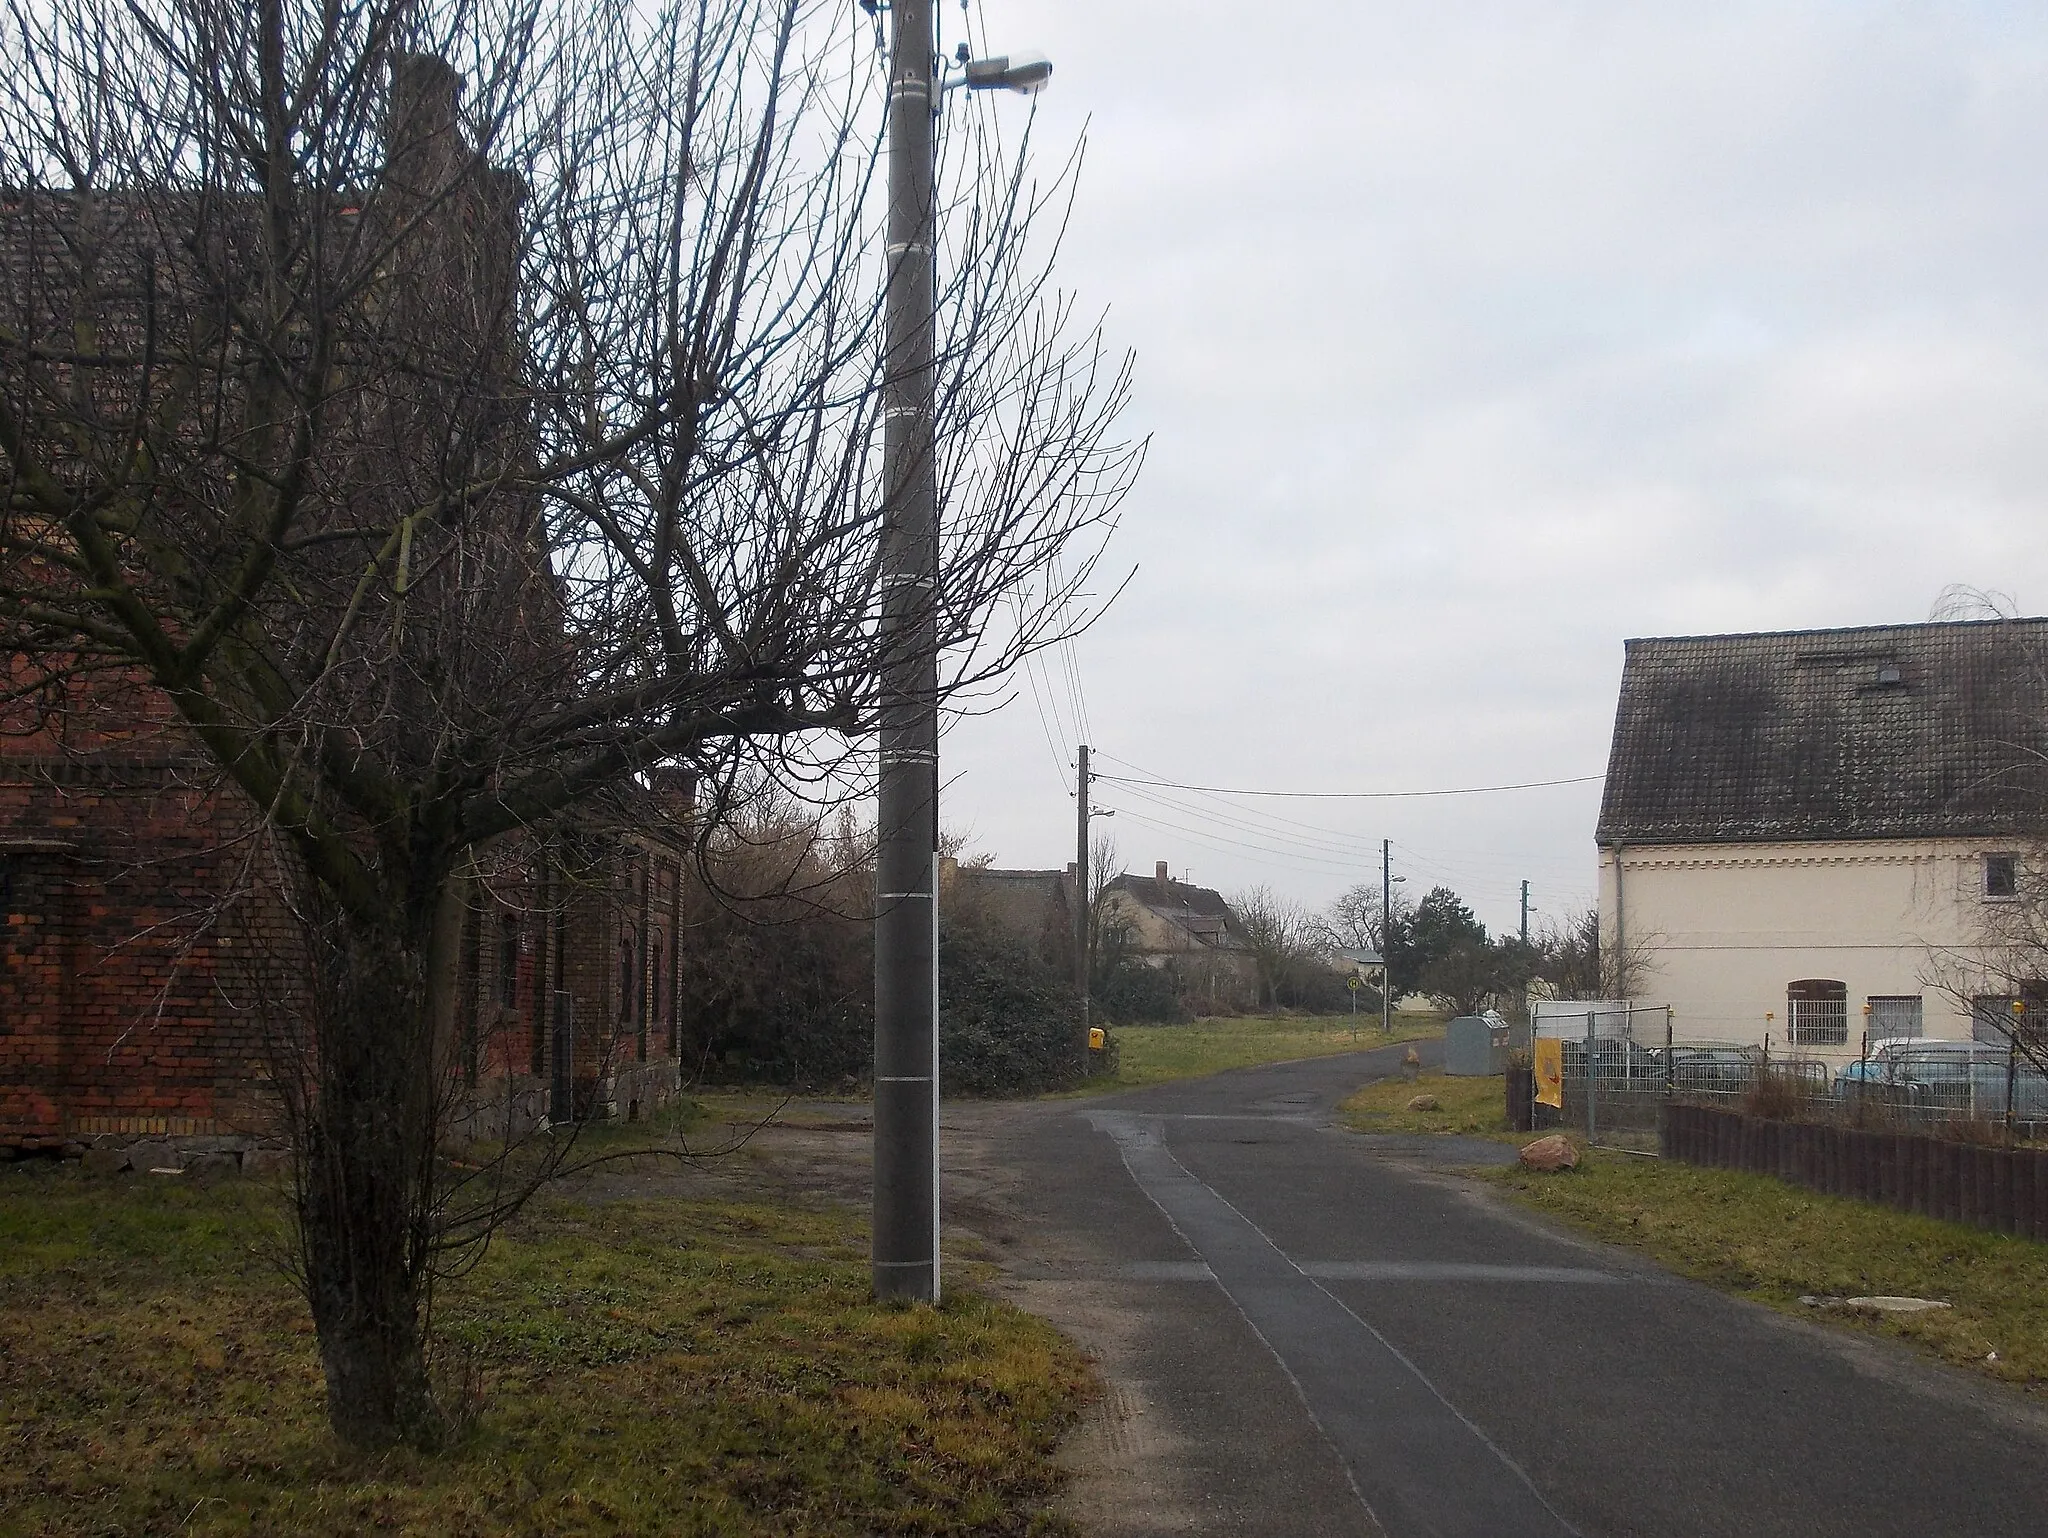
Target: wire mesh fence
1620,1064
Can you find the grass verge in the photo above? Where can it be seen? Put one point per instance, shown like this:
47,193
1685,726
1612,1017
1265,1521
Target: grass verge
1762,1239
644,1366
1475,1107
1156,1054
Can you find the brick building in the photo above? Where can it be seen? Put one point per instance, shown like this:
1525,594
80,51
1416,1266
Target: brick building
147,957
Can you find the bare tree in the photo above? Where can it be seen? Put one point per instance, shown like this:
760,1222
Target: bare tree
1279,933
436,463
1571,957
1353,922
2001,980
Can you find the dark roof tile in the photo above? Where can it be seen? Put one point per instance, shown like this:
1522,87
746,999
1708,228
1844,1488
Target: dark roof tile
1893,731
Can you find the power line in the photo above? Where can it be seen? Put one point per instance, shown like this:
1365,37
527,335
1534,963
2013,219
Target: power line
1333,844
1357,795
1215,840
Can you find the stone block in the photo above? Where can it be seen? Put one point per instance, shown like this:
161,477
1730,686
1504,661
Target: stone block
266,1163
212,1166
146,1156
104,1160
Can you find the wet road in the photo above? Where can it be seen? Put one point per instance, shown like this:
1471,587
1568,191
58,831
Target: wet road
1306,1332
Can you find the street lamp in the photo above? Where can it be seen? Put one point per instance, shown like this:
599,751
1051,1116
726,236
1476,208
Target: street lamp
906,1137
1026,73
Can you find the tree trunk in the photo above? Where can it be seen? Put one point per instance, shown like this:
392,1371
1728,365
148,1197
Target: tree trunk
367,1177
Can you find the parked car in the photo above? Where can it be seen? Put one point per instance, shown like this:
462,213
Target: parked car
1969,1077
1710,1070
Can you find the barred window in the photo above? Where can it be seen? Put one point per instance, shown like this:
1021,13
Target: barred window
1817,1010
508,960
1991,1017
1893,1016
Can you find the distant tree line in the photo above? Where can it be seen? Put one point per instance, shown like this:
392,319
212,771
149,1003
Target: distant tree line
1439,949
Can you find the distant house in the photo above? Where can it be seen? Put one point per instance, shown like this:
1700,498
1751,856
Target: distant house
1034,906
1811,834
1189,931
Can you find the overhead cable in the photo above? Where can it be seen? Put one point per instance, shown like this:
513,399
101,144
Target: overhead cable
1356,795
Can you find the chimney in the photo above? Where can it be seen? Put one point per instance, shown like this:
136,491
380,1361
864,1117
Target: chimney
423,144
675,792
1165,885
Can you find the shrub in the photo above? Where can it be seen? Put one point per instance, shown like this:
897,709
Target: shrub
1134,993
1008,1023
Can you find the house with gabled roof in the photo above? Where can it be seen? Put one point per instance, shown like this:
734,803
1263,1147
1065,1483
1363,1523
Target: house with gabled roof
1809,835
1189,931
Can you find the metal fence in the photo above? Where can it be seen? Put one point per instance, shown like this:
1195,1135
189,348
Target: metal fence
1622,1064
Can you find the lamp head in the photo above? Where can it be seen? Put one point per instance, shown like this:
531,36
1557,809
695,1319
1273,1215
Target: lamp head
1027,72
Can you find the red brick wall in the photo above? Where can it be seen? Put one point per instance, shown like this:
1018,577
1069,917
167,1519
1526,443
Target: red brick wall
112,1016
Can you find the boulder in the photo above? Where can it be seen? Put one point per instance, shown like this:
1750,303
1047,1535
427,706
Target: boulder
1550,1153
212,1166
153,1156
267,1161
105,1161
1425,1103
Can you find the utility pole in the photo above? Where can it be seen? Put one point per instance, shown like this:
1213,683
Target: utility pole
1525,913
1386,936
906,1135
1081,895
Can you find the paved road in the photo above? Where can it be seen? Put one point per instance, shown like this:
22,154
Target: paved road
1306,1332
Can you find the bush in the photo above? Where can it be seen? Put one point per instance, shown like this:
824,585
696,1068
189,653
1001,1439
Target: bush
1135,994
1008,1023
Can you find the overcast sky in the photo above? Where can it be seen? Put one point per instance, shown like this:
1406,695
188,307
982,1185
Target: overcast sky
1472,340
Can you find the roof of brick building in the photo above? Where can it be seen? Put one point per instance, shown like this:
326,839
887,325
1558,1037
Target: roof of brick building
1891,731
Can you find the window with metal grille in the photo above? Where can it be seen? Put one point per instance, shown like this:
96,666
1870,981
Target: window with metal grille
1894,1015
1817,1009
1991,1017
2001,875
508,960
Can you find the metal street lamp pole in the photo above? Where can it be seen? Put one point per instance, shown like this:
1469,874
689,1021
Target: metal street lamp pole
906,1138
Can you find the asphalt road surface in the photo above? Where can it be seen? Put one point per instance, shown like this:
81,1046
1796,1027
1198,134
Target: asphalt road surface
1307,1332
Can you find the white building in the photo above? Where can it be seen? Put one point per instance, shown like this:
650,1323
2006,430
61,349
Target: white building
1809,835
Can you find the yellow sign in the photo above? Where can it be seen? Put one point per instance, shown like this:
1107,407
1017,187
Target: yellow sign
1549,1054
1096,1038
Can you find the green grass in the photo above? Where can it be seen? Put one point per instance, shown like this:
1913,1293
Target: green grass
633,1367
1471,1106
1762,1239
1156,1054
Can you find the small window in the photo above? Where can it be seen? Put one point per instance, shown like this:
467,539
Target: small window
1991,1016
1817,1010
508,960
1893,1016
2001,876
